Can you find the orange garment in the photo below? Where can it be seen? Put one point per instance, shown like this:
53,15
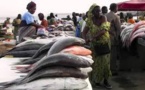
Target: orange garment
132,21
44,23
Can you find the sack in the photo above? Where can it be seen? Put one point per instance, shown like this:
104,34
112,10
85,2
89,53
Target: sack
102,49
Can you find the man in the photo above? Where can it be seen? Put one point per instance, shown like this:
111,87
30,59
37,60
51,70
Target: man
113,18
104,10
42,32
74,18
43,21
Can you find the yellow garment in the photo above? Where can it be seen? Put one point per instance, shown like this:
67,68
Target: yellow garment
18,21
101,65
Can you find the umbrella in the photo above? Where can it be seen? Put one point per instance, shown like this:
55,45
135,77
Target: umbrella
132,5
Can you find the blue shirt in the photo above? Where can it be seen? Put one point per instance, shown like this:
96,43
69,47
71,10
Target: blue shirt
28,17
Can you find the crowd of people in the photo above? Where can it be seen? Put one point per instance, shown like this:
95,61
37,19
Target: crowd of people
100,28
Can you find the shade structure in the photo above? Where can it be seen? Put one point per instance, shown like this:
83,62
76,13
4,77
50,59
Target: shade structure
132,5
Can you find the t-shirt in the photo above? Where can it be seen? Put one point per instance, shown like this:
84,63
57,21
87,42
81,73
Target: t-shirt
131,21
28,17
44,23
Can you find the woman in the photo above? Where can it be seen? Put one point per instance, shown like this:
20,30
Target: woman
98,28
28,26
16,24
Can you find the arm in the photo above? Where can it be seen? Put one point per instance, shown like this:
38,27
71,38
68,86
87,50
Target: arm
84,33
118,25
99,34
30,21
36,25
83,26
103,31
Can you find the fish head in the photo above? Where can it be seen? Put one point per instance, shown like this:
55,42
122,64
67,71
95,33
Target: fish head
80,41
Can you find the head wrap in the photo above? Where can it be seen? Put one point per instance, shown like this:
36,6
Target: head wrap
90,14
31,5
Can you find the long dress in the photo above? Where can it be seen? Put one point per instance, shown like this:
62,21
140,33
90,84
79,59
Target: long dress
101,66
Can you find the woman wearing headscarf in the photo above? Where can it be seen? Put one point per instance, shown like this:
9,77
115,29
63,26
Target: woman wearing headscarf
98,28
28,26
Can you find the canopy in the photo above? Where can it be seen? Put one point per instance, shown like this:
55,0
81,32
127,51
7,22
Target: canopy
132,5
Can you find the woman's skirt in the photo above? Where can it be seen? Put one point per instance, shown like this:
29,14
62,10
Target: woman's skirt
26,31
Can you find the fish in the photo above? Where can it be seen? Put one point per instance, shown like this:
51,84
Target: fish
29,61
60,59
136,27
55,71
27,47
88,58
138,31
62,83
43,49
28,53
38,55
63,43
141,34
77,50
36,41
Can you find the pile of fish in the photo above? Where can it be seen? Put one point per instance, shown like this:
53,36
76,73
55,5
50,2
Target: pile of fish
26,50
131,32
64,63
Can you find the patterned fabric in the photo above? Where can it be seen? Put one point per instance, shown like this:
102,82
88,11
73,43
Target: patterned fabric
101,66
26,31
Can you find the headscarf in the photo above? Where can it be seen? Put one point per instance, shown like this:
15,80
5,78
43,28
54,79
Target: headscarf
104,26
90,14
31,5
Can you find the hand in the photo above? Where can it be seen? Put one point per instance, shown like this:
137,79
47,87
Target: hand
42,26
87,41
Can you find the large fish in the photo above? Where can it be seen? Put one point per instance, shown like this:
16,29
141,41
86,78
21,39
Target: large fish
28,53
65,42
60,59
64,83
55,71
29,61
38,55
36,41
43,49
27,47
